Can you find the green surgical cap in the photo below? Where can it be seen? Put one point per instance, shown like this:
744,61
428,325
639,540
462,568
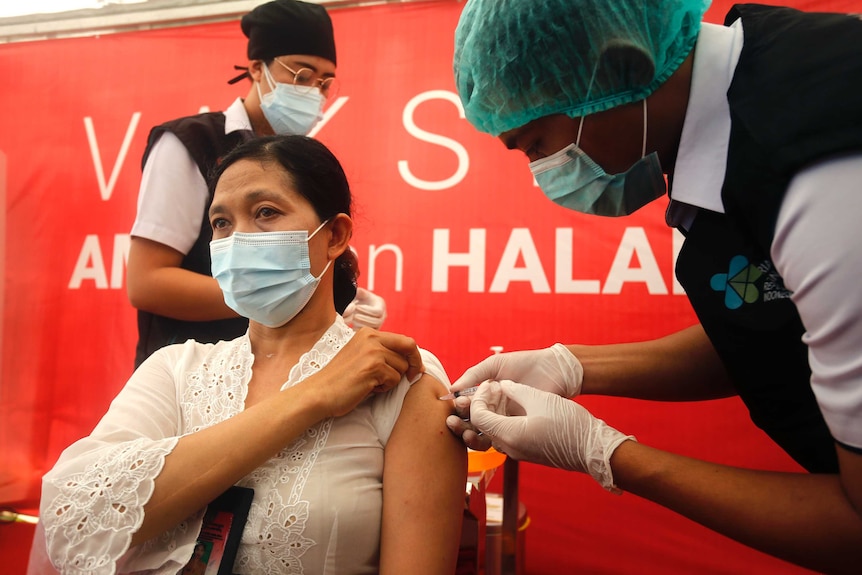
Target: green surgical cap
519,60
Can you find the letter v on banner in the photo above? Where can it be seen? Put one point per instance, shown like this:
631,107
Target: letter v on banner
328,114
107,189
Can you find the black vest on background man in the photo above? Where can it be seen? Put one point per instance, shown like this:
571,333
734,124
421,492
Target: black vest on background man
204,138
794,100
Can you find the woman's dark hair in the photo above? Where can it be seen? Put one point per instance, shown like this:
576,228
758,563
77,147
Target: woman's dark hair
319,178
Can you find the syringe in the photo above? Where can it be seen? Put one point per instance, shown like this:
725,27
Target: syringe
454,394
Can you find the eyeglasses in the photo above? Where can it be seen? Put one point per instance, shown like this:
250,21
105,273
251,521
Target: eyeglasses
304,81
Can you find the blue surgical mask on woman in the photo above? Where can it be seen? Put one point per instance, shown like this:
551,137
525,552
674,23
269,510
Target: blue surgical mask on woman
265,276
288,109
573,180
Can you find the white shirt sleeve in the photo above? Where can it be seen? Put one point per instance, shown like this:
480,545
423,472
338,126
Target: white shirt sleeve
387,406
93,498
434,368
172,196
818,252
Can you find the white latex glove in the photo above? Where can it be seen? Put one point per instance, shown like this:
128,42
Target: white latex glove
366,310
554,369
460,425
553,431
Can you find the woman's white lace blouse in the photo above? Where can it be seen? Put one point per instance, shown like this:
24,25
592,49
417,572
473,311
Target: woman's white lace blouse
317,504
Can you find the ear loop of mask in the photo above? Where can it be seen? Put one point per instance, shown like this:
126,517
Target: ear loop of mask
587,97
269,80
643,146
326,221
328,261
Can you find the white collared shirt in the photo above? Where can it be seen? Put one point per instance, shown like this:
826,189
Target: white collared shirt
173,194
701,162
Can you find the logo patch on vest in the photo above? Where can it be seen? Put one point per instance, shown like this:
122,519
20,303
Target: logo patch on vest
744,282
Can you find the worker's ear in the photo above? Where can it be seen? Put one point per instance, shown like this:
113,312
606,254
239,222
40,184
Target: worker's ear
255,70
624,65
341,227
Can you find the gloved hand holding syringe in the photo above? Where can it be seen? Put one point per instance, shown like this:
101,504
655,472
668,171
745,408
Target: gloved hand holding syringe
554,369
461,393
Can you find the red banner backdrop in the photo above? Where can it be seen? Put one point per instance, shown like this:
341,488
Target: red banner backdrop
450,231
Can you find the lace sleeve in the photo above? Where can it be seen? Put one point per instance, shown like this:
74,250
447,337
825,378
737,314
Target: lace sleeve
93,498
89,516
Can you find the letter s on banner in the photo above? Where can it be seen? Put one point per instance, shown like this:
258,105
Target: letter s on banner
420,134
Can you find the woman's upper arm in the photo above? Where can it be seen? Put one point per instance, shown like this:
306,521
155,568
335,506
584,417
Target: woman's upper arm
424,483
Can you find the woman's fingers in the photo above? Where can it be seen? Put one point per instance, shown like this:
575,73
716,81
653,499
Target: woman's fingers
397,351
371,362
405,348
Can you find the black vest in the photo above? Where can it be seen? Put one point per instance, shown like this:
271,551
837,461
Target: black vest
794,100
204,138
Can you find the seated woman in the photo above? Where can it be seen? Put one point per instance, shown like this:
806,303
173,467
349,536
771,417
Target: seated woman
352,466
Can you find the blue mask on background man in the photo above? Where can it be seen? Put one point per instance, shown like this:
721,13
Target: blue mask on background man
290,110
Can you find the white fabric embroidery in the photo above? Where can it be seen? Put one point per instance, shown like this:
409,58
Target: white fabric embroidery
274,541
108,495
216,391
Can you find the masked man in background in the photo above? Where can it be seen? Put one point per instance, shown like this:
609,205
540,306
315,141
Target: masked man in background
292,64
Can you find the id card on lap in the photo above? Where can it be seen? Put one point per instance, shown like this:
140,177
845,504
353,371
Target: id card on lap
218,542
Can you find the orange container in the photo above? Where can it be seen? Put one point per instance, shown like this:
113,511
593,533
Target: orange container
479,461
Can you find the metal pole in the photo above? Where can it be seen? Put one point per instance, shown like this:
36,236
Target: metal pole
509,528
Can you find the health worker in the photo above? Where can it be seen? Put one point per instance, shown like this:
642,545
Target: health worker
757,127
292,72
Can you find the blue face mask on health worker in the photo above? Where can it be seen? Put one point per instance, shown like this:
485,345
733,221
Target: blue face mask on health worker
573,180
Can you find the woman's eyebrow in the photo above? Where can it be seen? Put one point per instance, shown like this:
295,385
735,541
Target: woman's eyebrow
216,209
252,196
